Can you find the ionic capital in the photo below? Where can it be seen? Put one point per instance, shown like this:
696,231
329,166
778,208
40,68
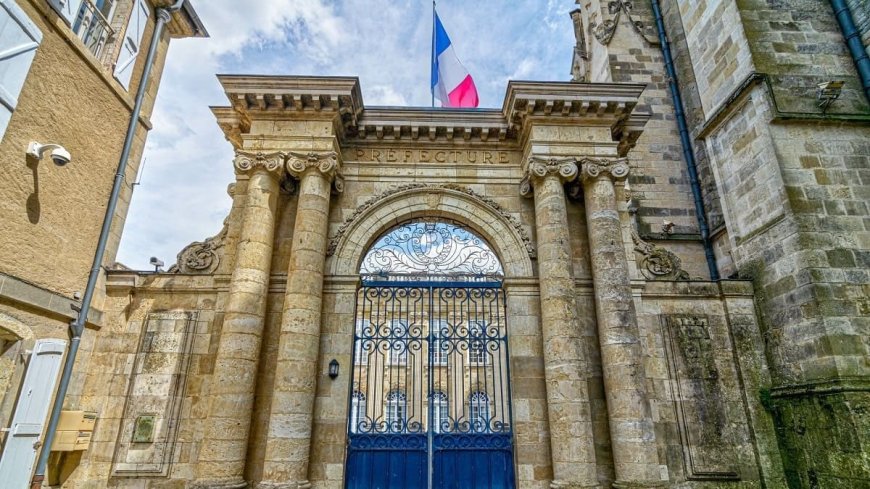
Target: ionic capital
324,163
247,162
538,168
615,169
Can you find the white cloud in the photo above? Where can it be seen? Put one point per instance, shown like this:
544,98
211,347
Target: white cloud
386,43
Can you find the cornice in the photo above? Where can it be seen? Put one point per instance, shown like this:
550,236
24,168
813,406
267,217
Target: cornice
271,97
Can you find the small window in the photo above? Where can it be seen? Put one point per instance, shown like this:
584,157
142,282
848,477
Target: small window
357,412
440,344
93,25
397,412
440,421
478,412
362,343
398,343
476,343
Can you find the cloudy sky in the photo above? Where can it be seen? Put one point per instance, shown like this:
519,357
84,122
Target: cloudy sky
386,43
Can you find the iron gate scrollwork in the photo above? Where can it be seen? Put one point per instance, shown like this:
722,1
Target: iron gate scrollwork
430,402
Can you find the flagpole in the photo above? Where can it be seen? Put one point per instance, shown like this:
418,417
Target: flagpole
432,62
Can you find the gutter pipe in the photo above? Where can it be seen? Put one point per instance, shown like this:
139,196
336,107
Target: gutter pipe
77,326
686,143
853,41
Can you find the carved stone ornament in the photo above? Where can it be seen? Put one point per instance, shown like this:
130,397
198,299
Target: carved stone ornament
615,168
326,163
604,32
580,62
246,162
537,168
658,263
487,202
201,256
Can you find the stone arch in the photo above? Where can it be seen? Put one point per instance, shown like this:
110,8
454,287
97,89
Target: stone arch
12,330
431,201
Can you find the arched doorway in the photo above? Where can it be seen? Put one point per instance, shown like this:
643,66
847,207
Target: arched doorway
431,362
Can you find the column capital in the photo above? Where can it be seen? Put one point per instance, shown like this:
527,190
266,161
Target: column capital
248,162
326,163
538,168
613,168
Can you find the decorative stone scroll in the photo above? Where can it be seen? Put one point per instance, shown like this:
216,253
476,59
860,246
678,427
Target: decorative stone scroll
615,168
325,162
658,263
246,162
538,167
201,256
485,201
604,32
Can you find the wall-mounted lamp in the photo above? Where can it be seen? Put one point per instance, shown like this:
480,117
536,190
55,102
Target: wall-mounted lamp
333,369
827,92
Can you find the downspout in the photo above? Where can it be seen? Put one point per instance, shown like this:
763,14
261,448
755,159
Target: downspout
853,41
686,142
77,326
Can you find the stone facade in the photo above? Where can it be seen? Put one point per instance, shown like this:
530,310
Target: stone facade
629,366
50,217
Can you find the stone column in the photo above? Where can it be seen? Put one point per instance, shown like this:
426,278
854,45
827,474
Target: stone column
221,462
565,369
635,454
288,443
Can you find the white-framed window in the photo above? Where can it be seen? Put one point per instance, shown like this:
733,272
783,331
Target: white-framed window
131,43
19,39
357,411
361,354
478,411
397,411
399,342
439,412
440,345
476,342
93,24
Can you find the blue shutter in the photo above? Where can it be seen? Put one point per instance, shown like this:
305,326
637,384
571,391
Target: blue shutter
19,38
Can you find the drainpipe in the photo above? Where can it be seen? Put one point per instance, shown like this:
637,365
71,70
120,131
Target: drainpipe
77,326
688,154
853,40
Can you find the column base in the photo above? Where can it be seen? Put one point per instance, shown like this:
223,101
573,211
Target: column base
231,484
557,484
283,485
639,485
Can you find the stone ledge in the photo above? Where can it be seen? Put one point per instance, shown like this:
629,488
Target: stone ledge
19,292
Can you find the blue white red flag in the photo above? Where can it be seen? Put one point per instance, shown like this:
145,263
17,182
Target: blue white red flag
451,82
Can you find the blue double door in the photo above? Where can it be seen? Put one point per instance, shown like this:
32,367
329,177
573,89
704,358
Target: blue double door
430,400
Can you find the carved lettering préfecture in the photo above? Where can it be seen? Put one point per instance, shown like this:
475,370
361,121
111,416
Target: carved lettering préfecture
438,156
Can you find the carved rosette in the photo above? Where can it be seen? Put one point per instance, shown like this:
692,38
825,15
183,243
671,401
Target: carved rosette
325,163
614,168
538,168
248,162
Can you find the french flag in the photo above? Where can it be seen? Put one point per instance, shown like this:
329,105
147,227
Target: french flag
451,83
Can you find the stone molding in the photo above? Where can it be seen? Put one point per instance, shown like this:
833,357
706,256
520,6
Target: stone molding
201,256
537,168
325,163
614,168
614,9
485,201
247,162
658,263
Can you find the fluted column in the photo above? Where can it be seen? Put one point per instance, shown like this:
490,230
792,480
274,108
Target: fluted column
564,360
288,443
221,462
632,435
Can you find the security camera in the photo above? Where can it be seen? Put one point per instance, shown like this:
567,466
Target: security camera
156,263
59,155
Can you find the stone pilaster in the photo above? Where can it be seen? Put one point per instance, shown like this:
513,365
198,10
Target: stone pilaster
564,359
635,455
221,462
288,443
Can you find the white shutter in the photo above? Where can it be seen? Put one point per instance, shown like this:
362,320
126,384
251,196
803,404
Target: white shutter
132,40
68,9
31,411
19,38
